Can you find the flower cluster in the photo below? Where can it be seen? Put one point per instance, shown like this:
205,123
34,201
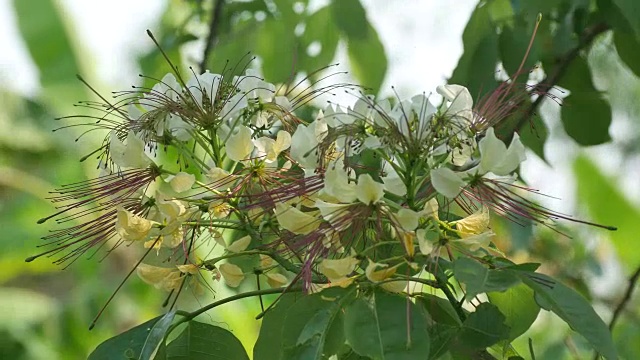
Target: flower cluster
366,193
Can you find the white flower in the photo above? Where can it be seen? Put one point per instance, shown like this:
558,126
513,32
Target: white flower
204,87
304,143
446,182
338,269
496,157
408,219
182,182
239,146
369,191
239,245
294,220
132,227
460,101
254,86
337,185
232,274
269,149
130,154
393,183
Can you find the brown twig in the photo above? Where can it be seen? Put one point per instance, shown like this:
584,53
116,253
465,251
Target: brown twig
214,29
563,63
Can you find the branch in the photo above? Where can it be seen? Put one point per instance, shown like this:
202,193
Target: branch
563,63
214,29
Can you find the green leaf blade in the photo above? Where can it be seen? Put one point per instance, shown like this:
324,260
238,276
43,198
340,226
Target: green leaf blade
574,309
376,327
201,341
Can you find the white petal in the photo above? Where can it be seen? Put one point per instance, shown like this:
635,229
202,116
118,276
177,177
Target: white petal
408,219
492,151
514,156
240,245
369,191
295,220
232,274
182,182
239,146
447,182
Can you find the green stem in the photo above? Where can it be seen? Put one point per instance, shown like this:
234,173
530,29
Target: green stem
188,316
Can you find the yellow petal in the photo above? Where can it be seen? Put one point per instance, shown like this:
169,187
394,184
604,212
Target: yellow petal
337,269
396,286
430,209
161,278
408,219
474,224
232,274
132,227
192,269
239,145
368,191
276,280
239,245
182,182
265,261
295,220
408,242
379,275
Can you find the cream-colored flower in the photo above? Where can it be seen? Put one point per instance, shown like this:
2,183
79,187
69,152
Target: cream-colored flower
276,280
474,224
296,221
163,278
375,275
368,191
130,154
239,145
239,245
232,274
219,209
337,269
408,219
269,149
132,227
446,182
182,182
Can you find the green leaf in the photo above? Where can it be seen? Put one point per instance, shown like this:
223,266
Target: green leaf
204,341
482,328
440,310
127,345
608,205
573,308
518,306
476,68
631,10
276,46
351,18
479,279
313,337
270,339
299,325
627,46
156,335
585,115
367,59
43,29
377,327
320,30
535,135
513,42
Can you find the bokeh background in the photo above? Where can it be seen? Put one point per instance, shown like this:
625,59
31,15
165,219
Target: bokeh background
411,45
